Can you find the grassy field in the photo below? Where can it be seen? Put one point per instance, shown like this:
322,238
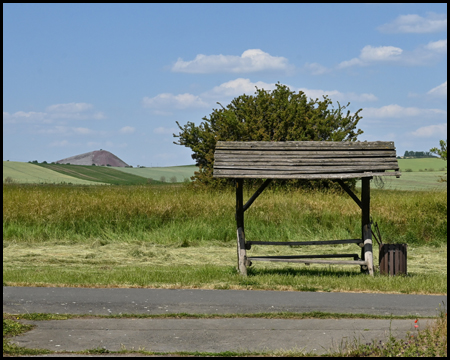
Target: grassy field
104,174
166,236
20,172
422,164
170,173
411,181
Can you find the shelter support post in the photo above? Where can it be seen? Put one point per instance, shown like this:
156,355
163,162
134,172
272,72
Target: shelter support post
367,251
241,252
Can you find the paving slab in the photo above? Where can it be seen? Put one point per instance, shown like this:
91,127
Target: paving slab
209,335
318,336
17,300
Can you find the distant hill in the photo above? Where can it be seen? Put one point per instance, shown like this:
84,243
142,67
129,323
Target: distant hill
98,157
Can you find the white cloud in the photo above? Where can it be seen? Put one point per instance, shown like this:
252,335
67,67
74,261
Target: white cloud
397,111
370,54
25,117
439,91
167,100
69,108
422,55
127,130
336,95
316,68
251,60
237,87
380,53
71,111
83,131
430,130
68,131
439,46
413,23
54,130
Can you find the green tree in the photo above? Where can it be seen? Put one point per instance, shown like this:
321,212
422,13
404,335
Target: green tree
442,153
278,115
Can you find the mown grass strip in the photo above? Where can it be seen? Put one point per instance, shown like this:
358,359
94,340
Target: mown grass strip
264,315
145,265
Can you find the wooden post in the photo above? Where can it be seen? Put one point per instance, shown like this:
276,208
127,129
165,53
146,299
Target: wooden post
241,253
366,231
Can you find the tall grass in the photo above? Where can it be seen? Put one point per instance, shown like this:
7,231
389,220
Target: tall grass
168,214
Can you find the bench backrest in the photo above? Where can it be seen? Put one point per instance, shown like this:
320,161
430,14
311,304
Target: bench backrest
304,159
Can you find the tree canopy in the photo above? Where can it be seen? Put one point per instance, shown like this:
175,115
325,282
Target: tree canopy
278,115
442,152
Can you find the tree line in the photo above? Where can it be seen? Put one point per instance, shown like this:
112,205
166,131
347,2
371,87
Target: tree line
418,154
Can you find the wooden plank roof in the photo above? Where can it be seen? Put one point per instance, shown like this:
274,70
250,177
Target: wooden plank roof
305,159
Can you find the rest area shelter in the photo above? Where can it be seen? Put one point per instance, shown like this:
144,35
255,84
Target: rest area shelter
331,160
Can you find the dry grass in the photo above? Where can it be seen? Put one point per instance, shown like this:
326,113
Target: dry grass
142,264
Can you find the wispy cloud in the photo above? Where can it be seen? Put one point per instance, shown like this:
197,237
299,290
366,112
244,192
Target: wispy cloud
397,111
316,68
127,130
25,117
417,24
370,54
439,91
430,130
167,100
71,111
237,87
422,55
439,46
251,60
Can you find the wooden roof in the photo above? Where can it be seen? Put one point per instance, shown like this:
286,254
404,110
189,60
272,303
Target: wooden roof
304,159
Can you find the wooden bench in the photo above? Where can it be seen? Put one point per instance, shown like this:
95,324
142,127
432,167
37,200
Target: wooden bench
305,160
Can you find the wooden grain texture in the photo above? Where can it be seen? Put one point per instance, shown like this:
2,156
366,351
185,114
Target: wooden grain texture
312,261
305,159
316,242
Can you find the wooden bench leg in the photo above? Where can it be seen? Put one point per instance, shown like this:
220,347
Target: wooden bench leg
366,232
241,252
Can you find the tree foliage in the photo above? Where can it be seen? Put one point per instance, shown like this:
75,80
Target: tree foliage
278,115
442,153
418,154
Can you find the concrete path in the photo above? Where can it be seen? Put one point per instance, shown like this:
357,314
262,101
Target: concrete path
211,335
18,300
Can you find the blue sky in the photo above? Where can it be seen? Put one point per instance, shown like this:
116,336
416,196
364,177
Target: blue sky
84,77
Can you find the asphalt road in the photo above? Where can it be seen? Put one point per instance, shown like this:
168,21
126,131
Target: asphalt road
212,335
160,301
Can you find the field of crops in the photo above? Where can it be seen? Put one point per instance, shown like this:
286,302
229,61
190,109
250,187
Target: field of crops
20,172
103,174
167,174
417,174
423,164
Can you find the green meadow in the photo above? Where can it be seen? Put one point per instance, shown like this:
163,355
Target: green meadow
175,236
21,172
422,164
169,174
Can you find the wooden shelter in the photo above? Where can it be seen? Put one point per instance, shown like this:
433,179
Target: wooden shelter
305,160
